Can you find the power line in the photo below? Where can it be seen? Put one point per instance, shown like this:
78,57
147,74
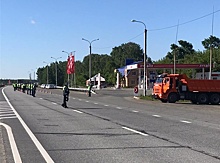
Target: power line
179,24
185,22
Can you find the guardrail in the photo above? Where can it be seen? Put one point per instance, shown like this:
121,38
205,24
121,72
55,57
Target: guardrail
74,89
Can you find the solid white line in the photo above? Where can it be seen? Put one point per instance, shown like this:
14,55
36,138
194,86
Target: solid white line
135,111
14,148
186,122
155,115
135,131
8,117
77,111
6,111
43,152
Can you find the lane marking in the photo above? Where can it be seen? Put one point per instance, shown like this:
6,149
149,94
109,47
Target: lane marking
87,101
13,145
186,122
135,131
77,111
43,152
6,111
41,98
118,107
95,103
155,115
74,98
54,103
135,111
8,117
106,105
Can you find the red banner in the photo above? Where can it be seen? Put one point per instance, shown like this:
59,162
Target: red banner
70,64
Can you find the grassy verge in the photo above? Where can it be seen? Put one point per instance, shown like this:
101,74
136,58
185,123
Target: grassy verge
148,97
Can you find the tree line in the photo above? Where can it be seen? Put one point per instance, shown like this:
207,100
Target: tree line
106,64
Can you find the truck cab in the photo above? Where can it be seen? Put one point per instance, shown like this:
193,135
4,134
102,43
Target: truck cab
166,88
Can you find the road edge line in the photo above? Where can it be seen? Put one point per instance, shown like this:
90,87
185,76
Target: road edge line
41,149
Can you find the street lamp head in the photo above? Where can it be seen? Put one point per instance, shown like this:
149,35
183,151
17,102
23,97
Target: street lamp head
133,20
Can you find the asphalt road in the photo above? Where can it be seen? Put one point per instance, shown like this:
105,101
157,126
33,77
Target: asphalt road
109,127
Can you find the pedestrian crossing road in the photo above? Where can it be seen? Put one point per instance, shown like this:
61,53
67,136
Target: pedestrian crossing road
5,111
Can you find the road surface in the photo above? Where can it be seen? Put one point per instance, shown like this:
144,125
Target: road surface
108,127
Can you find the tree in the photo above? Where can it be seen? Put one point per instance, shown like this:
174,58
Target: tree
126,51
181,51
212,41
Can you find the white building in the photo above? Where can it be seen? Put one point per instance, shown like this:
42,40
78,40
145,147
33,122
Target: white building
214,76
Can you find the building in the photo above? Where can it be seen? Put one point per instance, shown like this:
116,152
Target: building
214,76
132,74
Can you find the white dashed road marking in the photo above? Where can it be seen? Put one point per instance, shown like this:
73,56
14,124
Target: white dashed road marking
155,115
186,122
135,131
78,111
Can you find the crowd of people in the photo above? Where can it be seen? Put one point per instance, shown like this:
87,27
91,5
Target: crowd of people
29,88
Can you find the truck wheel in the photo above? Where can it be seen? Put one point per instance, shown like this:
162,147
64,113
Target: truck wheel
163,101
203,98
172,98
215,99
193,101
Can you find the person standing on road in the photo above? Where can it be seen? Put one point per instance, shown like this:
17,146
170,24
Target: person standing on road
65,95
89,90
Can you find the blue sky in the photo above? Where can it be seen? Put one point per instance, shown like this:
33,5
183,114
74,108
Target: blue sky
33,31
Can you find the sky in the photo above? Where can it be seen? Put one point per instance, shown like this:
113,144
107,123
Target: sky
33,31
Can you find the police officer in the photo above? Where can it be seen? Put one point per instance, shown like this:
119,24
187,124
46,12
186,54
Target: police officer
34,89
89,89
15,86
65,95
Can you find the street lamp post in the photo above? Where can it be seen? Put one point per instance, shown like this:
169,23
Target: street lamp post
90,52
145,53
47,72
56,66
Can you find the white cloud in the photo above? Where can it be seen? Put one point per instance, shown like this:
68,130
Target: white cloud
33,21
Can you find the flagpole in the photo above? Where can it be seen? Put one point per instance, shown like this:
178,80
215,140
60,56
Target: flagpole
74,69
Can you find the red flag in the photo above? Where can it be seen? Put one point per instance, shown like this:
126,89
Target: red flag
70,64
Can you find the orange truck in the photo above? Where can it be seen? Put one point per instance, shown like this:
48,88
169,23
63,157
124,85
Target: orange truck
174,87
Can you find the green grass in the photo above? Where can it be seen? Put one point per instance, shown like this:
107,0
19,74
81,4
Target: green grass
148,97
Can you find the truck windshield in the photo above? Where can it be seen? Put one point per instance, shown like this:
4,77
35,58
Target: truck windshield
159,80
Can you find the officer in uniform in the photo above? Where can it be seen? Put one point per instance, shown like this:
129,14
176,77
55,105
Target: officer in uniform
65,95
89,90
33,89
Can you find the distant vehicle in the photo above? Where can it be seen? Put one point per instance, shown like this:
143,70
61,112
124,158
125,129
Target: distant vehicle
50,86
43,85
